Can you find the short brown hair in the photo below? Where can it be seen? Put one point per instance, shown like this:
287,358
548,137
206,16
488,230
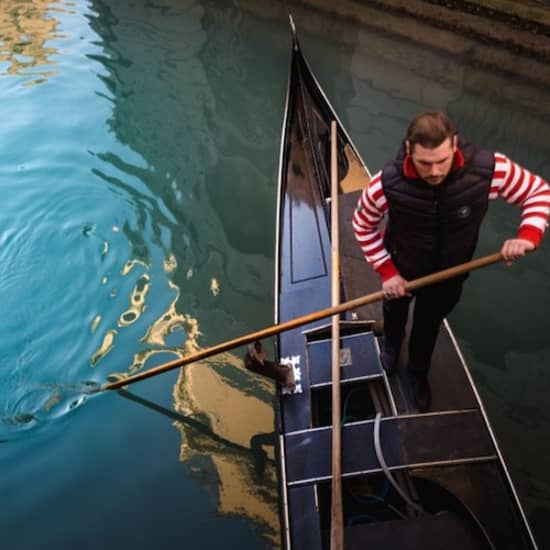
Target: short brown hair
430,129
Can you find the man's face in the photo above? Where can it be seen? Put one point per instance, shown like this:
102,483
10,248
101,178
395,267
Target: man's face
433,165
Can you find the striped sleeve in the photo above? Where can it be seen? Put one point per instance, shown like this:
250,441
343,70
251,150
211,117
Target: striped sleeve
370,210
518,186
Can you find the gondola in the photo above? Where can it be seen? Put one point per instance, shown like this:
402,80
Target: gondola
410,480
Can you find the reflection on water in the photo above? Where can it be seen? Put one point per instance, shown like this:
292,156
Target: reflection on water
25,29
212,390
106,346
224,415
199,178
237,408
137,220
237,464
137,302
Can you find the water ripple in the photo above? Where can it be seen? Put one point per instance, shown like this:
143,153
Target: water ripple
29,408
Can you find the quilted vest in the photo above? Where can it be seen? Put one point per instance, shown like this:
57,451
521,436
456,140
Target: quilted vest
434,227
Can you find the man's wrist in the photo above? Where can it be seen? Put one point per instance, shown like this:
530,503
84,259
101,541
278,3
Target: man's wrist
387,270
532,234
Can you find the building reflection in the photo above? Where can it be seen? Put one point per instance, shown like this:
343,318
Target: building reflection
223,444
212,390
25,29
223,413
191,262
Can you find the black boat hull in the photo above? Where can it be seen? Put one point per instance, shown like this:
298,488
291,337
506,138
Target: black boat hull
447,461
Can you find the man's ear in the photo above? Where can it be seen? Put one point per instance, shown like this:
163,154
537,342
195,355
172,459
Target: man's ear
407,147
455,143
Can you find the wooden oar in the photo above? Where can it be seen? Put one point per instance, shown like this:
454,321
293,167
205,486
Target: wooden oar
304,320
336,521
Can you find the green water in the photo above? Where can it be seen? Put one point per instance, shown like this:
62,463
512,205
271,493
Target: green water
138,175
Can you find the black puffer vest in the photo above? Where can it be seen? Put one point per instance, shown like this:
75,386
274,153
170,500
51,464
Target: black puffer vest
434,227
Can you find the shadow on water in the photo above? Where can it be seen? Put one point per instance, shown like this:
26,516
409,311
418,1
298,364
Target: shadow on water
256,442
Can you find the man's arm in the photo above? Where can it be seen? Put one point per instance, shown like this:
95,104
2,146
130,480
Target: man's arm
370,210
516,185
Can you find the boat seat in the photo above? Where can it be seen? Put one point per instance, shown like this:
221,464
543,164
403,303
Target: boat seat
359,360
407,442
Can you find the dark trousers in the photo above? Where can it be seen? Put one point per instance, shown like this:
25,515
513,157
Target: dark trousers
432,304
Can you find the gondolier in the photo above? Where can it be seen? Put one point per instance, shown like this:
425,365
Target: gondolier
434,196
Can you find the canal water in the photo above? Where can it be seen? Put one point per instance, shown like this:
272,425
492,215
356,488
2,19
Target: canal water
138,175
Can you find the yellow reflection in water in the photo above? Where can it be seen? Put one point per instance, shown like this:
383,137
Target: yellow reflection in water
170,263
171,320
95,323
167,323
236,406
25,28
205,391
137,302
214,287
130,264
105,348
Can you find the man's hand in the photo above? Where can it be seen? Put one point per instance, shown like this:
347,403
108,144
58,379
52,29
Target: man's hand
394,287
512,249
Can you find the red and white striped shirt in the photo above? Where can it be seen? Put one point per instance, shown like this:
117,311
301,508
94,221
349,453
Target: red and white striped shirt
514,184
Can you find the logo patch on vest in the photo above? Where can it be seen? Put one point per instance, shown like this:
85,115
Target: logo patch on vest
464,212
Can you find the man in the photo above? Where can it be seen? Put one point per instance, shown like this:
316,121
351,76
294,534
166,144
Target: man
434,196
